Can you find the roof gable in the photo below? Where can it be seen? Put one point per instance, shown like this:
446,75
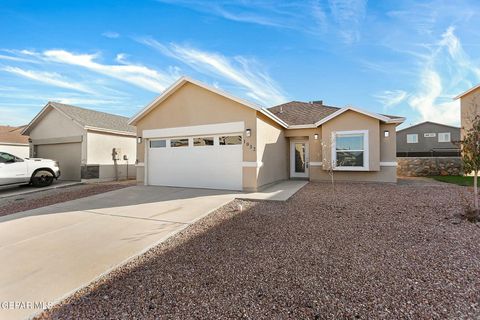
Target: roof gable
471,90
183,80
313,114
429,122
87,119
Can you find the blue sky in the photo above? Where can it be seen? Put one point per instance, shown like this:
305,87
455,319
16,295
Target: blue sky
405,58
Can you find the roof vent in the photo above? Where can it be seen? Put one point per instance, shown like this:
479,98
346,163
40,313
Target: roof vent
281,109
318,102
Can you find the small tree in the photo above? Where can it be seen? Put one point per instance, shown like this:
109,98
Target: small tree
471,156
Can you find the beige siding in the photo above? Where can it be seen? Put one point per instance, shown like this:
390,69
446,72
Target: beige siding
192,105
272,150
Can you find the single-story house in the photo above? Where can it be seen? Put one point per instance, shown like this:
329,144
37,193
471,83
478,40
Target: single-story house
12,141
428,139
84,141
194,135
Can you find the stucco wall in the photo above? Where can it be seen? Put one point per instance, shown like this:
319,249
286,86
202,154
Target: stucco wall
100,146
55,125
22,151
470,107
192,105
385,174
351,120
272,151
388,145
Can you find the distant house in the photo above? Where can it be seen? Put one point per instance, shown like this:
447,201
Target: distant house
12,141
469,107
82,140
428,139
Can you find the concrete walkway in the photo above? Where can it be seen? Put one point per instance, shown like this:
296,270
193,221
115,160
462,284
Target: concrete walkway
50,252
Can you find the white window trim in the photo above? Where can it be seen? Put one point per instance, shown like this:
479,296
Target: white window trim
366,164
412,134
449,137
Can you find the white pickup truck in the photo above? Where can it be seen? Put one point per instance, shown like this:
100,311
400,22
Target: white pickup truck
38,172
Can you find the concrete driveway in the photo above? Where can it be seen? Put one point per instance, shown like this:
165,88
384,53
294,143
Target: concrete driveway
48,253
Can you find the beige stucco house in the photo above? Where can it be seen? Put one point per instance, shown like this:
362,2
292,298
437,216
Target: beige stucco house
469,107
82,141
194,135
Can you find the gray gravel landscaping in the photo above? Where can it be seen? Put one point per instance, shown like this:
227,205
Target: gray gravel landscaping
381,251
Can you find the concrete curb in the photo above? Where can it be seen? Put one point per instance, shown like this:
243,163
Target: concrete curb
52,187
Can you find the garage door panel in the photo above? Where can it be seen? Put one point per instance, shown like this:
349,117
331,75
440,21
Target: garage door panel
67,154
217,167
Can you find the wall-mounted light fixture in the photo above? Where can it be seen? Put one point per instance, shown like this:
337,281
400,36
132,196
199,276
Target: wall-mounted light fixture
248,132
139,140
315,136
386,133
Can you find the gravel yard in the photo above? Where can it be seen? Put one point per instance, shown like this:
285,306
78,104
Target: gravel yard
382,251
48,197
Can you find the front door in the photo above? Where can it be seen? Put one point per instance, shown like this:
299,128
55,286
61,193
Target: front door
299,159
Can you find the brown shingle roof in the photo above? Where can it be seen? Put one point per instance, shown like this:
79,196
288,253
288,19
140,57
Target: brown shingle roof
10,134
297,112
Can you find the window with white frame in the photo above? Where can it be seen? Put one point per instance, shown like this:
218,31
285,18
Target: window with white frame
350,150
444,137
412,138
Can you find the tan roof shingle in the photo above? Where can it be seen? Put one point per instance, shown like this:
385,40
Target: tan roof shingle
297,112
10,134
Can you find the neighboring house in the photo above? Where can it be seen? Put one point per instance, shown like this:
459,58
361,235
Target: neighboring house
12,141
82,140
469,107
428,139
194,135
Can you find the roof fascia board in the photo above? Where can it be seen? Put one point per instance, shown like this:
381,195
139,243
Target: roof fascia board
424,122
302,126
367,113
32,123
119,132
184,80
466,92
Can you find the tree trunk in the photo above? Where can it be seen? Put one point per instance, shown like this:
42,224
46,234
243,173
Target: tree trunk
475,191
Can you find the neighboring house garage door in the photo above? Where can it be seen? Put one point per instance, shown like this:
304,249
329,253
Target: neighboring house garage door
207,161
67,154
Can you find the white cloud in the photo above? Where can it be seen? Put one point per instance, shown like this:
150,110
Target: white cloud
443,75
243,72
50,78
111,34
348,14
304,16
136,74
390,98
426,100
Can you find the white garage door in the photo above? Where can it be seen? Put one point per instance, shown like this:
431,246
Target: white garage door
209,161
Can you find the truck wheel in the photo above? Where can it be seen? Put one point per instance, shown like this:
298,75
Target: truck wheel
42,178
